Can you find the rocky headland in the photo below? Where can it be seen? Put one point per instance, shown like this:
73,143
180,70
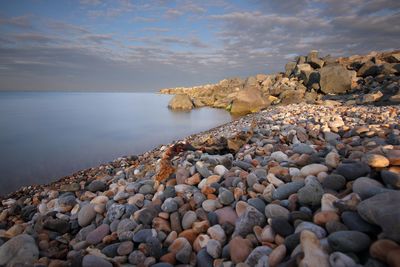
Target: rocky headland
367,79
292,185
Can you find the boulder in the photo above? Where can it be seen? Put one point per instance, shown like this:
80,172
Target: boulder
393,58
248,101
292,96
368,69
182,102
289,68
314,60
335,79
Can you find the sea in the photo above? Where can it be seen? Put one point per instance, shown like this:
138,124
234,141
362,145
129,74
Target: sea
45,136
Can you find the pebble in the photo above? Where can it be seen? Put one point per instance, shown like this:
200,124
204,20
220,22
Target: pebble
352,171
366,187
239,249
274,211
334,182
285,190
250,218
256,254
97,235
188,219
310,194
382,210
19,250
169,205
136,257
281,226
313,169
214,248
225,197
279,156
86,215
92,260
349,241
377,161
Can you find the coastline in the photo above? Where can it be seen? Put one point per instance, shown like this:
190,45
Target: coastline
316,163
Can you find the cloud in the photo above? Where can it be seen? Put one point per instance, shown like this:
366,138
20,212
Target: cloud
98,38
23,22
90,2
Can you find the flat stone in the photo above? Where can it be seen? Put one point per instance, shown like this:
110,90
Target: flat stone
226,215
383,210
169,205
302,148
188,219
142,235
377,161
313,169
279,156
239,249
353,221
349,241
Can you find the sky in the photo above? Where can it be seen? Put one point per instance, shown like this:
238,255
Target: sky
135,45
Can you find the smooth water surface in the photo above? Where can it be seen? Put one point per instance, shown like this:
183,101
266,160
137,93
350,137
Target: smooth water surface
45,136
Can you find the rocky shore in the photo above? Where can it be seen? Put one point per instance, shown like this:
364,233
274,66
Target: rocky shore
366,79
295,185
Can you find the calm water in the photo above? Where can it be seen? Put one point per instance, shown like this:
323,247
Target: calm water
44,136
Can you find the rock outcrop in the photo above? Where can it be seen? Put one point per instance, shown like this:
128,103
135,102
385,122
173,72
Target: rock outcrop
367,79
181,101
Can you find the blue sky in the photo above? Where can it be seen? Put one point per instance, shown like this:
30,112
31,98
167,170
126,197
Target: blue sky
131,45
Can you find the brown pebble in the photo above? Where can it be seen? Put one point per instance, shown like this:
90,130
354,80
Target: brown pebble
277,255
239,249
322,217
381,248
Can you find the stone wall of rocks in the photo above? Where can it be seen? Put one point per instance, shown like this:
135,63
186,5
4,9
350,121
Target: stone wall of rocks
307,185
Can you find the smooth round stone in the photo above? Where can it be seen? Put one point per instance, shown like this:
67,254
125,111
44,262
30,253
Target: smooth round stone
20,250
214,248
239,249
380,249
257,203
316,229
216,232
202,169
226,215
209,205
188,219
169,205
391,179
212,218
137,257
353,221
279,156
91,260
313,169
185,250
220,170
256,254
155,247
377,161
146,189
260,173
281,226
311,194
299,215
251,179
86,215
302,148
125,248
198,198
274,211
142,235
225,197
366,187
111,250
334,182
352,171
383,210
285,190
332,159
97,235
204,259
97,185
349,241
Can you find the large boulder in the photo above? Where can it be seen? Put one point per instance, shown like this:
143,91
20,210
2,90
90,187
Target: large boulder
181,102
335,79
248,101
314,60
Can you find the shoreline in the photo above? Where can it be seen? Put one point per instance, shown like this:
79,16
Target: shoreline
285,183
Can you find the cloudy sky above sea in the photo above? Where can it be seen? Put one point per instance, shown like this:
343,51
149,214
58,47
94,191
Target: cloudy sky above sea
132,45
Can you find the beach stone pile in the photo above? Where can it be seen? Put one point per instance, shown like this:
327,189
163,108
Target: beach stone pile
300,185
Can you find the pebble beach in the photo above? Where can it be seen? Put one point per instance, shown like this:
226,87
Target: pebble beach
295,185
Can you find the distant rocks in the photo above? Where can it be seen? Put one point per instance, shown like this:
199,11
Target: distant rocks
181,102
